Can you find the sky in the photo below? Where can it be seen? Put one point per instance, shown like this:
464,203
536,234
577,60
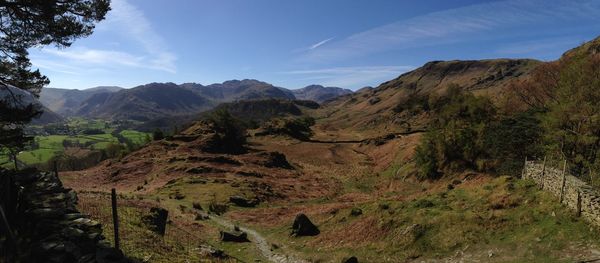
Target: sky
292,44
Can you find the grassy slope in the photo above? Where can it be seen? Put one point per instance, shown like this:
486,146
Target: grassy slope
52,145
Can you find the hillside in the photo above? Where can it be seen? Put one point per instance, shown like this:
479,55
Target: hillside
319,93
144,103
357,179
391,106
65,102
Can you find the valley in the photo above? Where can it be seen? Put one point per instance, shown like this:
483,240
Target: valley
299,131
235,180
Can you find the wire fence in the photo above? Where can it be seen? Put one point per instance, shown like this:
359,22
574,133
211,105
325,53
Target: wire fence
178,244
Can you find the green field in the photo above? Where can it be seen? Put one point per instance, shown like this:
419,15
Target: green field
45,147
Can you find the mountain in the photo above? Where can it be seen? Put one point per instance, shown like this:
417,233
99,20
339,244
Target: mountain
8,93
144,102
66,101
384,109
158,100
319,93
163,100
247,89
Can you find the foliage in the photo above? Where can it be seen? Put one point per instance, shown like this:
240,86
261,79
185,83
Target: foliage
468,133
456,138
230,132
25,24
510,139
298,128
158,135
426,157
572,123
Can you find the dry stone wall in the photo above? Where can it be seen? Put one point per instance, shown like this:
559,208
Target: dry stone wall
573,192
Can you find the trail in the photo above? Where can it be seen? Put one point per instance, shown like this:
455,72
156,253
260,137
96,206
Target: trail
260,242
396,134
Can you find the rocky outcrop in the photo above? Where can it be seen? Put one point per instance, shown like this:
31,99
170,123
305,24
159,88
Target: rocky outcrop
304,227
233,236
243,201
48,226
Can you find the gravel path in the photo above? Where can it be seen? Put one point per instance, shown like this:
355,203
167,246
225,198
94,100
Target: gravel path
260,242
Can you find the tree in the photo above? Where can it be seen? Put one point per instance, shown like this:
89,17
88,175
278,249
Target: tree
572,123
229,131
158,134
456,136
33,23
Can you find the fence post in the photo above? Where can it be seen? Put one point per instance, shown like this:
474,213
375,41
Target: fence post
56,169
564,179
543,174
115,217
578,203
523,172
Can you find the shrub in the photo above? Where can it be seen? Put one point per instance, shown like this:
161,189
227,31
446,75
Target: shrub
230,132
298,128
158,135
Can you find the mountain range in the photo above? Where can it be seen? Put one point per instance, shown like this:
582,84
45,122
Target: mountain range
157,100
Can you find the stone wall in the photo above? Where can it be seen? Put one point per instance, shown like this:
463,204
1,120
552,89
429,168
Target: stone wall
576,194
49,228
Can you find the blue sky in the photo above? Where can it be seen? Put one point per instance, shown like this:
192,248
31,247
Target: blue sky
292,44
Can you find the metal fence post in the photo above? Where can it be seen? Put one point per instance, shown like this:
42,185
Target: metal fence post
564,179
524,171
578,203
115,217
543,174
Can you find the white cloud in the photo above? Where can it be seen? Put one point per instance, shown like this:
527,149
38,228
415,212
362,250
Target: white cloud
131,23
455,25
350,77
126,20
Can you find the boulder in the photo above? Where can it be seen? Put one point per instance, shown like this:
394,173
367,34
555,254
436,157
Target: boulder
275,160
234,236
242,201
304,227
350,260
157,220
356,212
209,251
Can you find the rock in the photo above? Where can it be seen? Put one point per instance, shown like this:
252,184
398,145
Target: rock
412,233
209,251
352,259
242,201
374,100
275,160
356,212
304,227
234,236
157,220
109,255
217,208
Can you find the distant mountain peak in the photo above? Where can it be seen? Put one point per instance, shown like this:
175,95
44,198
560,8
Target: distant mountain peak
319,93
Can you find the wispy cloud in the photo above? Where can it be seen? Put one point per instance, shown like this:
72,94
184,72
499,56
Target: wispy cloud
348,77
316,45
539,46
149,48
456,25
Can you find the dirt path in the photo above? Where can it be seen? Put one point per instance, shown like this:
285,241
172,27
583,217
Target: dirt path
260,242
